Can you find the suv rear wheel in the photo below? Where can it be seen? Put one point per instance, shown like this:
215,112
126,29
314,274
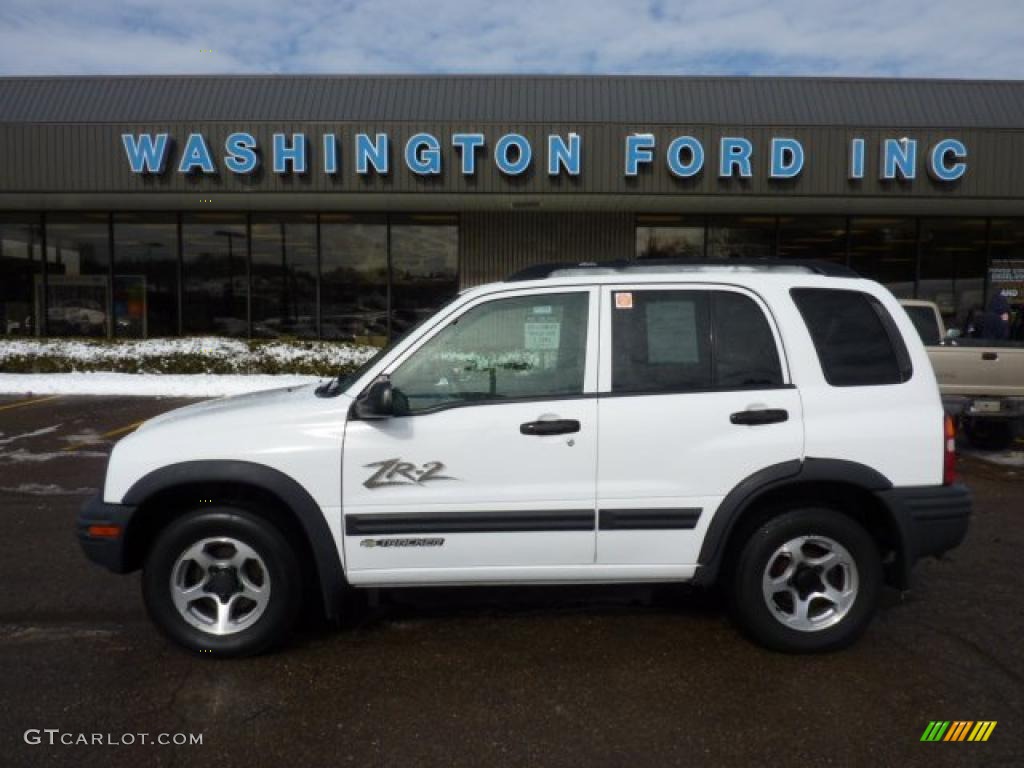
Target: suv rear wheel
807,580
223,581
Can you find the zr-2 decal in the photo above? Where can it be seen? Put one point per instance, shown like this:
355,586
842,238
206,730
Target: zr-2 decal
433,542
397,472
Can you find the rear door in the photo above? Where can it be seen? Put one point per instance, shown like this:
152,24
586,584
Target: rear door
696,396
487,472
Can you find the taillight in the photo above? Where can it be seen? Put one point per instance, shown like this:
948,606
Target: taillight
949,456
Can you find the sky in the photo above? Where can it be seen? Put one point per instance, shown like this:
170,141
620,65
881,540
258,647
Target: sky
887,38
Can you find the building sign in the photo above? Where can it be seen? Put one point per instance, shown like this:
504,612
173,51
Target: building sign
424,154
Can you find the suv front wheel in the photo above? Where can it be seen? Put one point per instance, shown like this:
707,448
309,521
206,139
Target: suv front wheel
807,580
223,581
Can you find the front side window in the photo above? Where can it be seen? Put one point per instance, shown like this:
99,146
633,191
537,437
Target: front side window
685,340
508,349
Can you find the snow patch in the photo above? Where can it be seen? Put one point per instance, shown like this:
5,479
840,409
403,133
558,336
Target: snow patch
38,489
146,385
26,435
21,456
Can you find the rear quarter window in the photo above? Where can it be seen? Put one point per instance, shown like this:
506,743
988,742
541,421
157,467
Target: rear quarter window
857,342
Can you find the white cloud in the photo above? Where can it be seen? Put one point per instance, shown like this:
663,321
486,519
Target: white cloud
940,38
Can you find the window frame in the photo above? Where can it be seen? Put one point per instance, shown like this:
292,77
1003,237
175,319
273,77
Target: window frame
590,367
607,358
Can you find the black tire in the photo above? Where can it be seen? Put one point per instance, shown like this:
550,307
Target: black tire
989,434
751,608
271,628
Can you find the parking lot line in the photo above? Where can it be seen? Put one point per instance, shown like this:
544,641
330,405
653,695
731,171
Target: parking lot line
106,435
33,401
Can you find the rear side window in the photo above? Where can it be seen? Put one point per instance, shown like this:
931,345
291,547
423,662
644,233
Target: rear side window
857,342
686,340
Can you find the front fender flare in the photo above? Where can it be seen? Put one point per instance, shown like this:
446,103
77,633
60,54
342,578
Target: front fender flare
308,513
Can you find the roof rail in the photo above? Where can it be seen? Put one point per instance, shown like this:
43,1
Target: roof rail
564,269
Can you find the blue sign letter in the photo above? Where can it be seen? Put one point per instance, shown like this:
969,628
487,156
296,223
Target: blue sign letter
423,155
735,153
899,156
787,158
373,153
501,154
196,155
241,157
295,155
638,150
561,155
144,154
675,163
467,144
857,159
330,153
938,162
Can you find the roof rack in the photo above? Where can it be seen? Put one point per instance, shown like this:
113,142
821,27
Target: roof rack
660,266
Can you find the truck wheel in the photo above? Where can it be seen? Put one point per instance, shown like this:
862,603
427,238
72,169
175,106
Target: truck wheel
222,581
989,434
806,581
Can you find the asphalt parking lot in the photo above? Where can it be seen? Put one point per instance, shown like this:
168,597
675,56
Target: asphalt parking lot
526,677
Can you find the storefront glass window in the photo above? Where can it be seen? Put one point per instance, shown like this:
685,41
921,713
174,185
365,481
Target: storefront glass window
741,237
669,237
20,272
78,274
1006,271
283,275
215,274
952,270
885,250
145,275
424,267
354,278
822,238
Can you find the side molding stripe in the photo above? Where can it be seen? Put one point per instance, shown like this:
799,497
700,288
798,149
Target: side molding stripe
648,519
469,522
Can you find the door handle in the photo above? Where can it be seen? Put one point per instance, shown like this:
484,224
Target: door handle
550,427
762,416
989,355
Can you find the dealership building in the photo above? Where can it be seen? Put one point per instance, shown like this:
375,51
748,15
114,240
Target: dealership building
349,207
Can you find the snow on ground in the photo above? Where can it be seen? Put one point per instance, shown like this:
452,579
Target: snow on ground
239,353
145,385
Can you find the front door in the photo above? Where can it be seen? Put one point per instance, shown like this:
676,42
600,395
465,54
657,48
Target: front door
486,472
695,398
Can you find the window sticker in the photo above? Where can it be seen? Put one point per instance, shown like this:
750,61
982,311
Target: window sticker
623,300
672,333
542,336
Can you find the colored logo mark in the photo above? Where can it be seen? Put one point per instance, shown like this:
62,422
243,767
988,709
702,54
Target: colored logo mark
958,730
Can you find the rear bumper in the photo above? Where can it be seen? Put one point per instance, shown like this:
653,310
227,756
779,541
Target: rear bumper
931,520
106,550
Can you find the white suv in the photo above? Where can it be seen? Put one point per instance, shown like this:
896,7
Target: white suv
772,427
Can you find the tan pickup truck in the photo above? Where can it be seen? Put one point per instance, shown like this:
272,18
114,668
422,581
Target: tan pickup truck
982,381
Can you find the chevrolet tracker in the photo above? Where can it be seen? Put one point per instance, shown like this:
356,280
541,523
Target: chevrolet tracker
772,427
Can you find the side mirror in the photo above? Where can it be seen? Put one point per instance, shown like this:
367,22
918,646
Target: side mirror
376,401
953,333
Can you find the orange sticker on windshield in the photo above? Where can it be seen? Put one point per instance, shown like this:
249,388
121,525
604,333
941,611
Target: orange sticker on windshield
623,300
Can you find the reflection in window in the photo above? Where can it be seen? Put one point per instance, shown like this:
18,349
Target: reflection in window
354,275
885,250
78,280
669,237
822,238
953,267
215,254
741,237
424,267
20,273
145,275
529,346
283,275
